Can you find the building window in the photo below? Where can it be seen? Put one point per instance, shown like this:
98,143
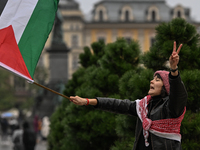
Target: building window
128,40
74,27
152,41
153,13
101,39
179,14
100,15
127,15
75,62
71,27
74,41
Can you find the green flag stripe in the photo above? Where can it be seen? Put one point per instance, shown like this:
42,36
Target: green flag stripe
36,33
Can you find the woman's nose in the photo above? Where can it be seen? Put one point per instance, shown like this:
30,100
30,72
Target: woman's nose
151,81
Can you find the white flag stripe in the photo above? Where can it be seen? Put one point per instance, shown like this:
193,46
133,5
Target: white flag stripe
16,72
17,13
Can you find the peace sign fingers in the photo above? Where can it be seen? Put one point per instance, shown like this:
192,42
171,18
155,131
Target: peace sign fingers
179,48
174,58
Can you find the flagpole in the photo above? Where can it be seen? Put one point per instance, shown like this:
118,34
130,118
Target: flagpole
51,90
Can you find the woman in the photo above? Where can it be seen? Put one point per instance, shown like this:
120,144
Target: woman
159,113
28,137
17,138
45,127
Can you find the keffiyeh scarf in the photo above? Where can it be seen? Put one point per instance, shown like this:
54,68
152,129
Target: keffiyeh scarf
166,128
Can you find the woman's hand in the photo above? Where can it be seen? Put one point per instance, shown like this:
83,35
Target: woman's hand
78,100
174,58
83,101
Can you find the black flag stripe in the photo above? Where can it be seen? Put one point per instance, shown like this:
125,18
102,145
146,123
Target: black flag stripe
2,5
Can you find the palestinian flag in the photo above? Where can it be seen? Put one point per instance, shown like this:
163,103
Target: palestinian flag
24,28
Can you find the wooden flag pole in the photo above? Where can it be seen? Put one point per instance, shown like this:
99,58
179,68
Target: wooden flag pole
51,90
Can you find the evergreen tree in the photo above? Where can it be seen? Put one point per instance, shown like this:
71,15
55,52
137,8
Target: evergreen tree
83,127
183,33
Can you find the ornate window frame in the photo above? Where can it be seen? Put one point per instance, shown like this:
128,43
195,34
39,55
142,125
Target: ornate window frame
123,13
180,9
150,11
98,10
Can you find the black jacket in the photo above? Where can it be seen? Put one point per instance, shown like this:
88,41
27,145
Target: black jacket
171,106
29,139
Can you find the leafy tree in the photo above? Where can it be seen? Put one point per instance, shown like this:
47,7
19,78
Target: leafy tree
7,98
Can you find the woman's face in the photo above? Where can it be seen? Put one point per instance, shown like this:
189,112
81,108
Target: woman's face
155,86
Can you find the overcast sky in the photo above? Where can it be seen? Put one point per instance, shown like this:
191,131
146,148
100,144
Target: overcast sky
194,5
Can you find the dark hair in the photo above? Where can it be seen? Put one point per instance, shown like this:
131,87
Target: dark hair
25,125
17,127
163,91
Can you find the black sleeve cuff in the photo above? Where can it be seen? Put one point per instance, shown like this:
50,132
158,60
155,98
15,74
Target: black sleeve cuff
173,77
96,106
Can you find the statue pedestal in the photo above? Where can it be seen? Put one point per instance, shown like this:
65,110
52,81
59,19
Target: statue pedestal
58,63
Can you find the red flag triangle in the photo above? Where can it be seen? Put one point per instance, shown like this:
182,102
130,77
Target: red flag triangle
10,55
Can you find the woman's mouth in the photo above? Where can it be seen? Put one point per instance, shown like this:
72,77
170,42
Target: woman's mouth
151,87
